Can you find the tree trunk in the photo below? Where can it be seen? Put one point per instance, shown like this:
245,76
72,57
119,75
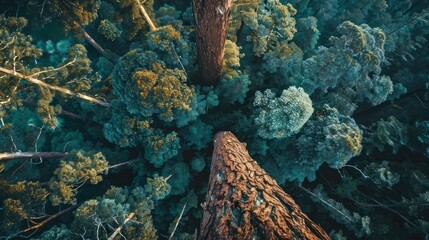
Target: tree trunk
211,20
244,202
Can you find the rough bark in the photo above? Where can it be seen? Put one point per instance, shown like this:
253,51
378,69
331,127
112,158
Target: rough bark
211,20
244,202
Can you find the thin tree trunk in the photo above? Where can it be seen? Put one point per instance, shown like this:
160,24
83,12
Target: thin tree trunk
211,21
14,155
55,88
92,42
244,202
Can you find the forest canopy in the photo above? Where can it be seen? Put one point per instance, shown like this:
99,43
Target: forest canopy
107,122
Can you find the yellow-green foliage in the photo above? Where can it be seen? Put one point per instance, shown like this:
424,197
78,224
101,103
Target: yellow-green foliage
17,52
20,201
78,169
165,88
76,14
108,30
134,14
231,60
242,11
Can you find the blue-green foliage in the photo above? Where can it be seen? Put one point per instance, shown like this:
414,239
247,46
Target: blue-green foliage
390,132
57,232
284,116
203,100
124,129
115,206
327,137
351,67
159,148
198,163
233,90
423,137
299,81
197,134
180,176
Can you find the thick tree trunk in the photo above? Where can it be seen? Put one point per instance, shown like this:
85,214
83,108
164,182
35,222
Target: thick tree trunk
211,20
244,202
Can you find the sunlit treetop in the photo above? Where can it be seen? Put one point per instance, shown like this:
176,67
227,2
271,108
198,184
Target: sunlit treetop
134,18
75,14
147,86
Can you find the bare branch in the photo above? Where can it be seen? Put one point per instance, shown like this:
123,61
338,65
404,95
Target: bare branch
177,223
118,230
55,88
15,155
152,26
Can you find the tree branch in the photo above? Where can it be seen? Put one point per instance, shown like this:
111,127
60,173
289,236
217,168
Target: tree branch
55,88
177,223
44,222
131,215
14,155
152,26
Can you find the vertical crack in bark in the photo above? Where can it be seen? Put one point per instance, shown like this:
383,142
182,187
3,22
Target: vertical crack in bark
244,202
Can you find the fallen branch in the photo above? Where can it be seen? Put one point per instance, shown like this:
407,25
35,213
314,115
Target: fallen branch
15,155
131,215
55,88
44,222
177,223
152,26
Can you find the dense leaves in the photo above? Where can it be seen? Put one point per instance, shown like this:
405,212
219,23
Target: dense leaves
330,96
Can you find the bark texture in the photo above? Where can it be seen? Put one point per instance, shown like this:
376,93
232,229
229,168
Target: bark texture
211,21
244,202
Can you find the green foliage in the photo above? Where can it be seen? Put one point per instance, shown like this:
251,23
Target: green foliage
390,132
75,15
336,64
17,52
284,116
147,86
197,134
101,216
159,147
355,222
77,169
351,67
19,201
109,30
423,137
133,19
58,232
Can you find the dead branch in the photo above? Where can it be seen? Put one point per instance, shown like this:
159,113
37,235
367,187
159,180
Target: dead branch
15,155
52,217
177,222
130,216
55,88
152,26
